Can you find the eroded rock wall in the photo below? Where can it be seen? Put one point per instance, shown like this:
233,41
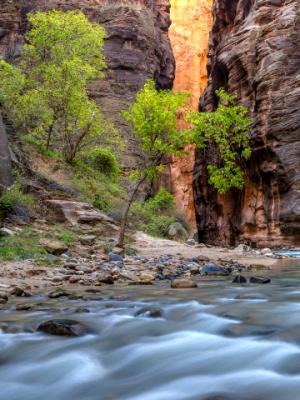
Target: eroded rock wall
5,162
189,34
255,53
137,48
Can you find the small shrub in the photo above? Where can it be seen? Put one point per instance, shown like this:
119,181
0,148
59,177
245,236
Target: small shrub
129,251
104,192
162,201
13,197
21,247
101,203
159,225
155,215
109,247
104,161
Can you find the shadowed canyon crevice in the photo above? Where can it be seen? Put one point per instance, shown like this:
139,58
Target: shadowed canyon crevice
254,53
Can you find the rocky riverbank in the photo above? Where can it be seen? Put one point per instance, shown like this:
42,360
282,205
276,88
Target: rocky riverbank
157,262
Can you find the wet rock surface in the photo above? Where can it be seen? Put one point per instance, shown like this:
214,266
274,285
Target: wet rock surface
62,327
259,280
239,279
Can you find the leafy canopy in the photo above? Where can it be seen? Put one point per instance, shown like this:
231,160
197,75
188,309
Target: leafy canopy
153,119
45,94
228,128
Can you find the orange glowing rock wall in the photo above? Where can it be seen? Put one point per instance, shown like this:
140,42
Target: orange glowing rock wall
189,35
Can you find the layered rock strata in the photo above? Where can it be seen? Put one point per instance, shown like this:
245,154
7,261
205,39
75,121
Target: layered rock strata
255,53
5,163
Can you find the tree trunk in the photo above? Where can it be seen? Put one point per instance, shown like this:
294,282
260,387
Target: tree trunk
126,212
6,179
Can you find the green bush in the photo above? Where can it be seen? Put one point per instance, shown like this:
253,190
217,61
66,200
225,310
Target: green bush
104,161
20,247
103,191
162,201
13,197
154,216
101,203
159,225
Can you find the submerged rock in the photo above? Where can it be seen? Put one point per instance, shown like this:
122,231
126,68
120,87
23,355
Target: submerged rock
260,279
24,307
63,327
239,279
58,293
19,292
149,312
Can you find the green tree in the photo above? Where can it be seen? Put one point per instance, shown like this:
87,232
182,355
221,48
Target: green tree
153,121
45,94
228,128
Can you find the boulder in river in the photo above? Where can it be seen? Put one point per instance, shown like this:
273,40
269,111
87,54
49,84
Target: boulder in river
149,312
260,279
24,307
239,279
214,269
63,327
19,292
183,284
108,279
58,293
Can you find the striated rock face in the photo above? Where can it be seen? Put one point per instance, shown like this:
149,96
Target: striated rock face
5,163
255,53
137,48
189,34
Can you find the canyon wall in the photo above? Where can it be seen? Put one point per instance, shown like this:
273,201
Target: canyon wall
137,48
189,33
5,163
255,53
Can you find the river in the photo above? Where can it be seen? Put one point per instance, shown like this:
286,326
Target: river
218,342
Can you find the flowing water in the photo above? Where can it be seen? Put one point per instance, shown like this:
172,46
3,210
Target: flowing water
217,342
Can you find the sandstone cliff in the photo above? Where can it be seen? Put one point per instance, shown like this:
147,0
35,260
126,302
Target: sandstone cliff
137,48
254,53
189,34
5,164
